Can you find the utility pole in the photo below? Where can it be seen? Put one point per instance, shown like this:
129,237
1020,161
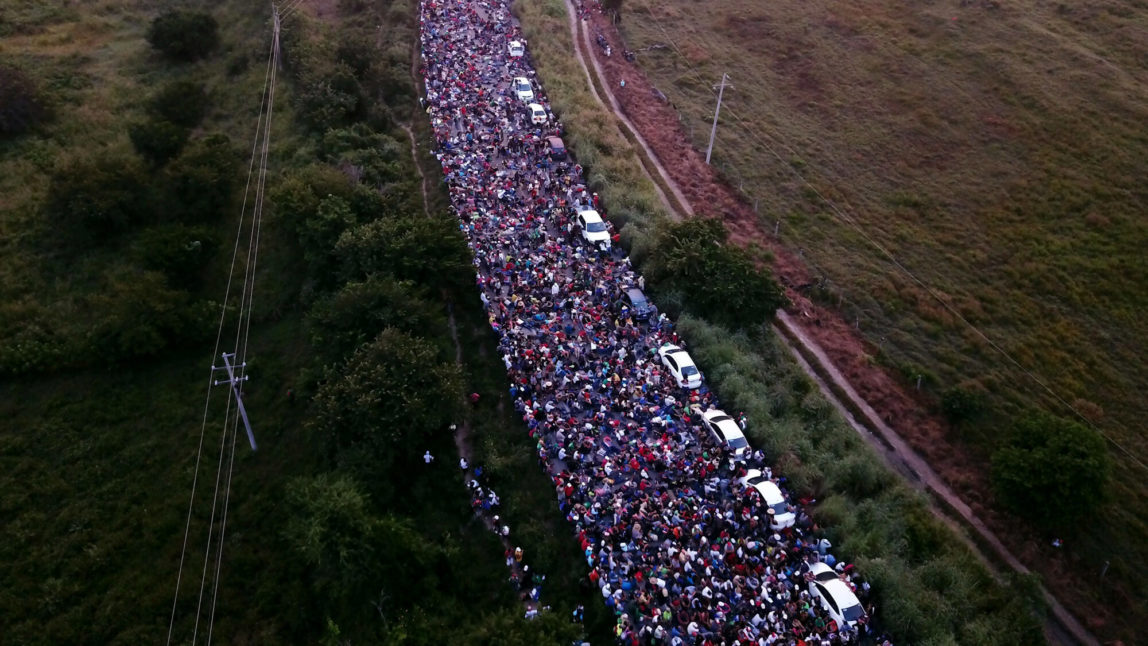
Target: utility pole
275,34
713,131
234,382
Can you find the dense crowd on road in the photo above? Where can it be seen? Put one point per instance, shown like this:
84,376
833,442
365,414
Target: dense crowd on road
680,551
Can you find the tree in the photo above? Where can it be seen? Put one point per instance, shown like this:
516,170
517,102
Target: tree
351,317
157,140
183,103
349,551
21,107
97,197
386,402
425,250
136,314
719,281
177,251
184,35
961,404
201,181
1051,470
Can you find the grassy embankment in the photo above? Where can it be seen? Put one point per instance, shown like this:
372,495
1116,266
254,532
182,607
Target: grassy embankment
929,588
998,151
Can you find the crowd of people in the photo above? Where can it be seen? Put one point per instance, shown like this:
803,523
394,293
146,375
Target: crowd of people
680,551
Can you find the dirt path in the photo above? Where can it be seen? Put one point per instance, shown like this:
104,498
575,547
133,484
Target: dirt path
582,44
1063,627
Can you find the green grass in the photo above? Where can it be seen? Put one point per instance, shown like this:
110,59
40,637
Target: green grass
998,153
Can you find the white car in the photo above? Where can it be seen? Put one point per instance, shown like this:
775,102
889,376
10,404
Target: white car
516,49
522,89
537,113
781,518
835,595
594,228
726,431
680,365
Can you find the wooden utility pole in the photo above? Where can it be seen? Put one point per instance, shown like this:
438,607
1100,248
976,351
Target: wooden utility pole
713,131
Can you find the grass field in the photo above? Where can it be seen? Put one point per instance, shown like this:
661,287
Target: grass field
997,150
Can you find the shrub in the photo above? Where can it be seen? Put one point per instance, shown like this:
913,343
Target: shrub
183,103
137,315
184,35
719,280
178,252
157,140
328,98
97,197
960,405
1047,462
21,107
202,180
393,395
351,317
429,251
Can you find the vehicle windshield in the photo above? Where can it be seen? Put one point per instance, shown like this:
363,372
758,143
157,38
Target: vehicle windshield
596,227
755,480
853,613
738,442
780,508
827,576
689,370
721,418
638,301
523,87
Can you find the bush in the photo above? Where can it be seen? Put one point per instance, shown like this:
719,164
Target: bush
137,315
21,107
428,251
202,180
97,197
328,98
178,252
1046,463
962,405
718,280
184,35
157,140
390,398
183,103
351,317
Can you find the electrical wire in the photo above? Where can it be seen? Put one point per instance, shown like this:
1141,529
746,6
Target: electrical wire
211,377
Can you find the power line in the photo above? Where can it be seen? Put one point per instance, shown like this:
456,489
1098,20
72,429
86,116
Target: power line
889,255
215,351
249,288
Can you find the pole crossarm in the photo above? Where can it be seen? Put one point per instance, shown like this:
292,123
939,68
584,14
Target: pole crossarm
234,382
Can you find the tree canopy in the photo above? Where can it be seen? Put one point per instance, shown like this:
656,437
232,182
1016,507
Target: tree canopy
1051,470
382,405
184,35
718,280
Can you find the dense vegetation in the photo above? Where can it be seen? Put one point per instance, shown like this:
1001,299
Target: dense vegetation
113,227
929,588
